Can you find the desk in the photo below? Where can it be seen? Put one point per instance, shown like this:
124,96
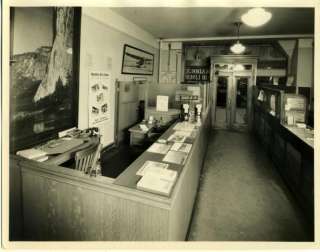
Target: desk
64,157
137,136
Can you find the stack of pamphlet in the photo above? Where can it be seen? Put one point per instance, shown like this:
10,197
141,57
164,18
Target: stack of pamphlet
34,154
156,178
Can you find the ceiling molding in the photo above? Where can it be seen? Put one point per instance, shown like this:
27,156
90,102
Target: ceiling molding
289,36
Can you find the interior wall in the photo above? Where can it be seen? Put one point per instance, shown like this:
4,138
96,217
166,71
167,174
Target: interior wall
305,63
101,49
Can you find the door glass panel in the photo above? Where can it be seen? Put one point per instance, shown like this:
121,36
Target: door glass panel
247,67
222,91
221,102
241,100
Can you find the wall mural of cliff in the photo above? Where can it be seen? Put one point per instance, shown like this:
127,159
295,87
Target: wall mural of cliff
43,89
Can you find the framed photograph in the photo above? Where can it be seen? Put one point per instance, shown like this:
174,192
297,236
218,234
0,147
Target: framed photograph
44,67
137,61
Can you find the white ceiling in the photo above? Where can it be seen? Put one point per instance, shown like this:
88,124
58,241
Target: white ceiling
165,22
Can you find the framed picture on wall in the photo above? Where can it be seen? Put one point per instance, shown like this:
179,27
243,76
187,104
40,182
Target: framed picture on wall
136,61
44,67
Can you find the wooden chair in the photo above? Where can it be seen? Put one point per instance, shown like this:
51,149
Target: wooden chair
86,159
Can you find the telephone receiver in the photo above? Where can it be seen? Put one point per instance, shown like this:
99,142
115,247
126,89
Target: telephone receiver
92,131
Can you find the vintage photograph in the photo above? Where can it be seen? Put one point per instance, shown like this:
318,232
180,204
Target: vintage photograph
137,61
192,124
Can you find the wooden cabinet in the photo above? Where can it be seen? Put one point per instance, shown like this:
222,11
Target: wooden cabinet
293,167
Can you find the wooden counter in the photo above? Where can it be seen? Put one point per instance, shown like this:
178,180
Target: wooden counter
292,153
303,134
129,178
64,204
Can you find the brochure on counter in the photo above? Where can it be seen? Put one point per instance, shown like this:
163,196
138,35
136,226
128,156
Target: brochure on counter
159,148
156,178
183,147
151,165
175,157
184,126
152,182
176,138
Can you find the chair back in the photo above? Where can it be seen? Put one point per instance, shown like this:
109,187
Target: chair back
86,158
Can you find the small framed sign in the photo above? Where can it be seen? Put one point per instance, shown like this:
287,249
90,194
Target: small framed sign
137,61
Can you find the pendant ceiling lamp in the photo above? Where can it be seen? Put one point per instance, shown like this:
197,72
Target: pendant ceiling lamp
237,48
256,17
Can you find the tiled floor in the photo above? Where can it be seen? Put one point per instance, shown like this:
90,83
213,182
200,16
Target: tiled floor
241,196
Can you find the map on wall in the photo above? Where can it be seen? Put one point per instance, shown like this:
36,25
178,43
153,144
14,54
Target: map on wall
99,97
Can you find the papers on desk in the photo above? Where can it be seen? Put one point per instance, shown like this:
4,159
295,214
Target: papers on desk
61,145
143,127
158,180
159,148
183,147
151,166
34,154
175,157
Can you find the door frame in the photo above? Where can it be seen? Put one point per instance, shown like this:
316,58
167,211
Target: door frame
234,59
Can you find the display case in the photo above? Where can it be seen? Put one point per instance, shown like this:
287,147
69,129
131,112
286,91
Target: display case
290,147
270,100
294,109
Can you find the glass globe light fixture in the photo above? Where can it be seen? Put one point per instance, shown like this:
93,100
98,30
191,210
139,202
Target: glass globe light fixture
256,17
237,48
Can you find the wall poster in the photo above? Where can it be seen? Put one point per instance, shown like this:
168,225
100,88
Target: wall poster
99,97
44,67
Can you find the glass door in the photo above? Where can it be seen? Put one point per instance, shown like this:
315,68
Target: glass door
232,101
233,78
222,113
240,104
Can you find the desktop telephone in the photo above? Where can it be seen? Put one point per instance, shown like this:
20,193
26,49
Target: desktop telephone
72,139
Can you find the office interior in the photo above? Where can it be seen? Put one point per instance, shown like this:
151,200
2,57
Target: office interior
161,124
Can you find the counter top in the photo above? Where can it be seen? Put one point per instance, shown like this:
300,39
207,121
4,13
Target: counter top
305,135
128,178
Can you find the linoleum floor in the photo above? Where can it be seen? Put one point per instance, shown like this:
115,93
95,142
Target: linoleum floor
241,196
